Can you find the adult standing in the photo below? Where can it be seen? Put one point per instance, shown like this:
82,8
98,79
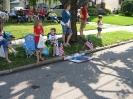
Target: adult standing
66,24
83,17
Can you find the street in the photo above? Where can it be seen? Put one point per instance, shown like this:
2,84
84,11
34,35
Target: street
108,76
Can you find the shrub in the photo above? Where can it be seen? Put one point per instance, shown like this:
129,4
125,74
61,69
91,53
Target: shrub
92,11
127,8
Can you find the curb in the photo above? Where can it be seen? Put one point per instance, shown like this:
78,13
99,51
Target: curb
53,60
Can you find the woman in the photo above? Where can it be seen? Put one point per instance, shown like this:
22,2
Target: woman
5,44
66,24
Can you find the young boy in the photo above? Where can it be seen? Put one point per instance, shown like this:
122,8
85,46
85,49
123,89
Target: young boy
99,23
53,39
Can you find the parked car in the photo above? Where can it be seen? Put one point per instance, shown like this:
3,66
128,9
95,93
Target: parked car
58,10
17,8
44,6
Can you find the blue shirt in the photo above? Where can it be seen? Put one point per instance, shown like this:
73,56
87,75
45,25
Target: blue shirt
12,14
65,17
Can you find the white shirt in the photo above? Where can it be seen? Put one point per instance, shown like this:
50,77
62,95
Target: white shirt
68,21
53,37
100,24
1,35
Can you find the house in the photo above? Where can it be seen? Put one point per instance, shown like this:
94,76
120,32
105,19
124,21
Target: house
109,4
17,3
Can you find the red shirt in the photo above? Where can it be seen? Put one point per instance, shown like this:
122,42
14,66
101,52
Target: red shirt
30,12
84,13
38,31
41,12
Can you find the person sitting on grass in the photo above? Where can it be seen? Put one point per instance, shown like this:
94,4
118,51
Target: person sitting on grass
53,40
6,44
38,30
53,16
100,24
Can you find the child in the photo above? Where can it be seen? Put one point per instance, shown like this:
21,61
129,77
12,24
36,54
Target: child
53,39
38,29
6,44
99,23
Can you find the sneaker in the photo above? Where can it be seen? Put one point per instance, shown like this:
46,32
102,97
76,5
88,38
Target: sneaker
15,53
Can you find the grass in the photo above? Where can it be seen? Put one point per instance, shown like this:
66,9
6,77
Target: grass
108,39
117,20
20,30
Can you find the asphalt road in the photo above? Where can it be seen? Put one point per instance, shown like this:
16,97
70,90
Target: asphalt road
108,76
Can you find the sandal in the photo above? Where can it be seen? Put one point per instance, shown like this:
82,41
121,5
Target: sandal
41,59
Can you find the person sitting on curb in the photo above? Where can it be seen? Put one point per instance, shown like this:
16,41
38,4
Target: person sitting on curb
6,44
53,40
53,16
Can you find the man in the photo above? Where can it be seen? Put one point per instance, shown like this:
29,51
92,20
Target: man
53,16
22,15
83,17
12,15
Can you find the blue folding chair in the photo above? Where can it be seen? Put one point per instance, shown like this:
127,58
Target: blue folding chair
29,45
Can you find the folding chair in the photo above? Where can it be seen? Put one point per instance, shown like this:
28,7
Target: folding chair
29,45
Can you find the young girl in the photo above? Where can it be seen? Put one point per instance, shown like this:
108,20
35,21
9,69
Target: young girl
38,29
6,44
53,39
100,24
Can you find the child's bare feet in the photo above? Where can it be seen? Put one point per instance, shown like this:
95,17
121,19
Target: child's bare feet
9,61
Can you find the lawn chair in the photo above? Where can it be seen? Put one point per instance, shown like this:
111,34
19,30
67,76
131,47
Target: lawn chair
29,45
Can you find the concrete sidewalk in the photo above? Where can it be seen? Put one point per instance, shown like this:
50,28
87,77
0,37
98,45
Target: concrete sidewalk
108,28
108,76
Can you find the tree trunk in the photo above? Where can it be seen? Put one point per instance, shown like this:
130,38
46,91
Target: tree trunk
73,20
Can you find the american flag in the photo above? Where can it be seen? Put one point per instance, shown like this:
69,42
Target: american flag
89,44
61,51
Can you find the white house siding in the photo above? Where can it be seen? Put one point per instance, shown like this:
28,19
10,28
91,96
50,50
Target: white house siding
112,4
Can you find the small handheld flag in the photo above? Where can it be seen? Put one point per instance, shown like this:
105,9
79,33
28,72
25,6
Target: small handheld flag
89,44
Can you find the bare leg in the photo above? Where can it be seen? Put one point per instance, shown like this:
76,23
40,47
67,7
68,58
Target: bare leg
54,49
63,36
41,54
12,49
68,39
37,54
81,32
6,55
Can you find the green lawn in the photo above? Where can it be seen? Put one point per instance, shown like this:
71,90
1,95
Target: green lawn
108,39
20,30
117,20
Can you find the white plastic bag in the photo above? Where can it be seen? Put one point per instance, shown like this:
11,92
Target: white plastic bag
41,42
57,49
2,53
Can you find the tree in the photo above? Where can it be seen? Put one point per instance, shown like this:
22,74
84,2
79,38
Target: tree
75,4
127,7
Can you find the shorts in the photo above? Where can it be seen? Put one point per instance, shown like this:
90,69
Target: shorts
5,44
66,30
99,29
82,24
